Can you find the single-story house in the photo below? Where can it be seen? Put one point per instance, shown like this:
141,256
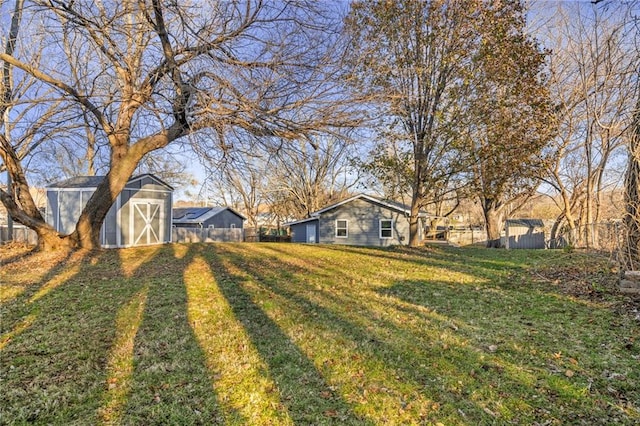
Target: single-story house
360,220
207,217
524,234
141,214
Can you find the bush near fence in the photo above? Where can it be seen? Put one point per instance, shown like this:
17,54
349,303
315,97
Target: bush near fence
206,235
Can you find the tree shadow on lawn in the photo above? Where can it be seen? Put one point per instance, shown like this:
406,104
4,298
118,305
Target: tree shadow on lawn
453,366
395,369
484,263
20,289
170,382
20,251
567,344
57,370
53,369
306,394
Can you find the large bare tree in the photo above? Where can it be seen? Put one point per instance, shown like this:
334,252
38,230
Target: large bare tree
591,71
156,72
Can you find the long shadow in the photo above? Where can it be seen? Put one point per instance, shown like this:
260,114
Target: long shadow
12,310
170,382
425,362
474,259
305,393
17,257
57,370
407,363
53,371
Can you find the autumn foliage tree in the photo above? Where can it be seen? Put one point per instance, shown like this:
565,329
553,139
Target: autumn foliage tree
408,60
458,86
510,115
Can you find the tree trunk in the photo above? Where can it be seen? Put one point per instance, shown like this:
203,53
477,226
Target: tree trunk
631,246
87,232
414,221
493,223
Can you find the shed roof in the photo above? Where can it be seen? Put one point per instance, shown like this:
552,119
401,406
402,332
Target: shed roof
78,182
200,214
92,182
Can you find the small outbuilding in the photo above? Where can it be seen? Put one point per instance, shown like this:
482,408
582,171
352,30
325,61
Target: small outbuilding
524,234
141,214
360,220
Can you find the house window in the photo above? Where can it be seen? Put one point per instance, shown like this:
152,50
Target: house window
211,226
386,228
233,225
342,229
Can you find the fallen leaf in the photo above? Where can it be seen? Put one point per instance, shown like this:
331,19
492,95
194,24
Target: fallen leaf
331,413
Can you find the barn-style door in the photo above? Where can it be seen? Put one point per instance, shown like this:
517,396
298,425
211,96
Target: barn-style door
146,222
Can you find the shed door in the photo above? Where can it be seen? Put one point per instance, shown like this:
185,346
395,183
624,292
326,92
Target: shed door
146,222
311,233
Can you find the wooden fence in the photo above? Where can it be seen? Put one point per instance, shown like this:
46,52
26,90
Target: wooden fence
206,235
21,234
466,237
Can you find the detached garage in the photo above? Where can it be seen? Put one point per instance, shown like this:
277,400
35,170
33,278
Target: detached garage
141,214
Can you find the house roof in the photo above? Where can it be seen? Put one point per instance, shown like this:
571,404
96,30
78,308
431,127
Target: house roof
92,182
296,222
392,205
529,223
200,214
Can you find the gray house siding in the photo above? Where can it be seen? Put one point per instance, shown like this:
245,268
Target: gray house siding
299,231
224,219
363,220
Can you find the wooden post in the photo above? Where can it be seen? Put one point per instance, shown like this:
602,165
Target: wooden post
506,234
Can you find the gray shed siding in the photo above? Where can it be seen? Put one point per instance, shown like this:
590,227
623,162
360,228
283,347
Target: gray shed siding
64,206
363,224
131,223
525,237
299,231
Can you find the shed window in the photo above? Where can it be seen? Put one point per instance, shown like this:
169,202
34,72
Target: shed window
386,228
342,229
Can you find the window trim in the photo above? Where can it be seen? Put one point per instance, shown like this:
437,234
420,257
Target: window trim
346,228
390,228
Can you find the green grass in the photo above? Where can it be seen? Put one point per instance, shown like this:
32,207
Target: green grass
276,334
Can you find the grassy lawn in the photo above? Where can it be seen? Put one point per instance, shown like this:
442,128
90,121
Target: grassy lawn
277,334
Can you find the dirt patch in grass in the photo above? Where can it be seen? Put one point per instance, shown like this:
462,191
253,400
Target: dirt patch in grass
589,277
